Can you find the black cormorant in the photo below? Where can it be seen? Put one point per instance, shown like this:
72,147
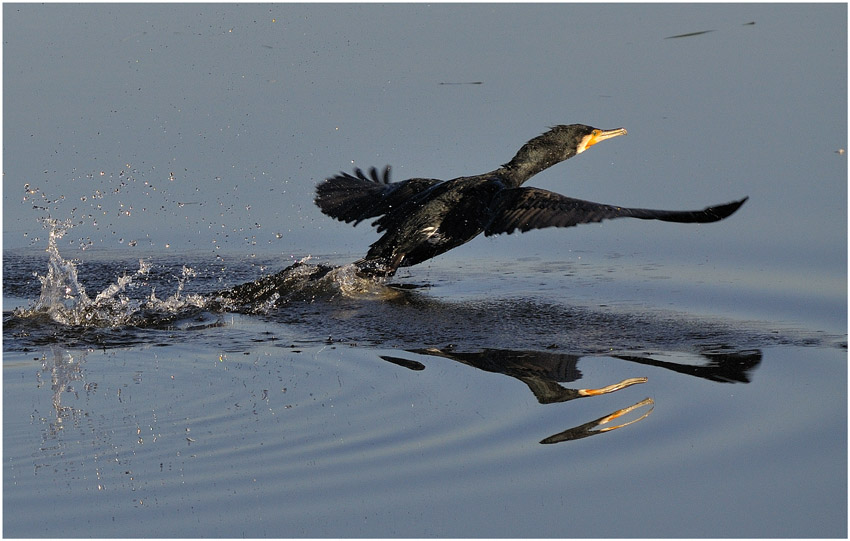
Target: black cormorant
424,217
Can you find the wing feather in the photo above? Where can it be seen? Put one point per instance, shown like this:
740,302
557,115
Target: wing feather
533,208
354,198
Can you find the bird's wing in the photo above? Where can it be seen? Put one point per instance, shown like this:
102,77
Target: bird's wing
533,208
353,198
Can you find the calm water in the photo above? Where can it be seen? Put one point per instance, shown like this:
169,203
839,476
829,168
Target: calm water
177,148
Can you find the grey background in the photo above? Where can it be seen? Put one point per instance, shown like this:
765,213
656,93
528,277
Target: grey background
206,127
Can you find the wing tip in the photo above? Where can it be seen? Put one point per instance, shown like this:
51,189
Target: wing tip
724,211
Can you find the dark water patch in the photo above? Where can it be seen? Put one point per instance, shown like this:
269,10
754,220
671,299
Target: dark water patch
416,320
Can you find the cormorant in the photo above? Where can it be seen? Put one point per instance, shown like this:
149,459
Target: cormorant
425,217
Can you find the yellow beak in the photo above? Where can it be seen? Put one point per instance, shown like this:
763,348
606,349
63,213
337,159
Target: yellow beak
598,135
601,135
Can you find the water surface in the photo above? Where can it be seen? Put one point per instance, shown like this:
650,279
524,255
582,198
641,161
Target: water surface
342,413
176,149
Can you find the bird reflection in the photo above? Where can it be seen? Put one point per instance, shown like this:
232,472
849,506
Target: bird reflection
543,372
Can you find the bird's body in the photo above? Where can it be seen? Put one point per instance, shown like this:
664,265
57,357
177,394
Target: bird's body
422,218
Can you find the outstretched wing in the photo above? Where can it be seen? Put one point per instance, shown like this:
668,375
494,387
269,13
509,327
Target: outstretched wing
533,208
354,198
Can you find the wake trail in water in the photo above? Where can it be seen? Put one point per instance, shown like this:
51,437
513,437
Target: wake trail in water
301,282
131,298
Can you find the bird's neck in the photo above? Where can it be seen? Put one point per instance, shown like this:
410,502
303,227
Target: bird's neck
530,160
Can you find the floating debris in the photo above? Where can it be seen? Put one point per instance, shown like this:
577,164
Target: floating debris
689,34
464,83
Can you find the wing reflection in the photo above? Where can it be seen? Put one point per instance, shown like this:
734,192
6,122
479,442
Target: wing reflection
733,367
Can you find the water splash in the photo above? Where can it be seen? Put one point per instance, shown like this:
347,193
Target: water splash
62,296
64,299
131,299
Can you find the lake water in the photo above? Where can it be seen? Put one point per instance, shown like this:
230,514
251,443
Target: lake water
451,409
157,156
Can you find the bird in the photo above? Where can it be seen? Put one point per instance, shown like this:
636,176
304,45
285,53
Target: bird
421,218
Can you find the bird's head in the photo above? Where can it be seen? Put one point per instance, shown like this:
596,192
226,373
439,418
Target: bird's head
556,145
576,138
563,142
